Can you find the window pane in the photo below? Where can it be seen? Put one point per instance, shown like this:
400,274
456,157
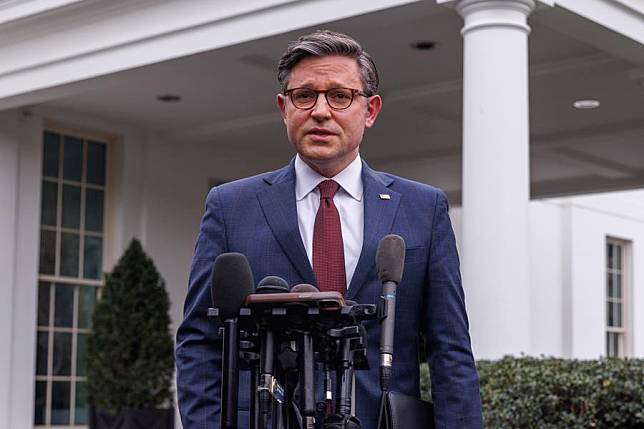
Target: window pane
93,255
612,346
62,353
618,257
82,411
86,302
93,210
41,353
51,154
60,402
81,355
609,314
47,252
618,314
95,163
43,303
69,254
49,203
609,248
41,402
617,285
71,206
609,284
64,306
73,162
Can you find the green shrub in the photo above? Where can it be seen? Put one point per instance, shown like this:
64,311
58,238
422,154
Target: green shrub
550,393
130,351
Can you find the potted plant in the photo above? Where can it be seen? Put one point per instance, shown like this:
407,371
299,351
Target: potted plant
130,351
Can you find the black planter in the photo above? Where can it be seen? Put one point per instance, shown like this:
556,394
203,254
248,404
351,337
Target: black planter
132,419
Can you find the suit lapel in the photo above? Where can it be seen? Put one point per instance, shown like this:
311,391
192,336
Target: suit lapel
379,214
278,205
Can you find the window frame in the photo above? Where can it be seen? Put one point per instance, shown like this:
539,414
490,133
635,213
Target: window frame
74,282
623,332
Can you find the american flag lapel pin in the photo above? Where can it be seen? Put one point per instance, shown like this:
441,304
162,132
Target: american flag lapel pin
384,196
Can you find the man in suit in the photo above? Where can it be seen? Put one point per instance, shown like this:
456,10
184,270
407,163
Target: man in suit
319,220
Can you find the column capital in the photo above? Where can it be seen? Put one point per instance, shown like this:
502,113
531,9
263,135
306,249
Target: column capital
493,13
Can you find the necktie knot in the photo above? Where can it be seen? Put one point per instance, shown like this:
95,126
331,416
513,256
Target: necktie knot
328,188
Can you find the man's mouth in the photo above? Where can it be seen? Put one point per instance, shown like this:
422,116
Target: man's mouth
321,132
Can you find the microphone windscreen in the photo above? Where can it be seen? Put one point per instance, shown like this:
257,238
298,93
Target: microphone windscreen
304,288
231,282
390,258
272,284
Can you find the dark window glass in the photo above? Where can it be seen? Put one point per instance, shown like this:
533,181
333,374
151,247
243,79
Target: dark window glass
86,302
617,251
60,402
93,210
96,163
609,250
51,154
47,252
609,314
73,161
43,303
93,255
71,206
617,285
82,411
49,203
41,402
41,353
69,254
62,353
64,306
81,355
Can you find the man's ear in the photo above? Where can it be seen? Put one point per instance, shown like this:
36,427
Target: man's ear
281,105
374,104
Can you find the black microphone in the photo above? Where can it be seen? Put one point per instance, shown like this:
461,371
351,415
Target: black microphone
304,288
231,282
272,284
390,262
268,384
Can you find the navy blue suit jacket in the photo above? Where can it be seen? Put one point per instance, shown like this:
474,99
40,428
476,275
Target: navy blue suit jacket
257,217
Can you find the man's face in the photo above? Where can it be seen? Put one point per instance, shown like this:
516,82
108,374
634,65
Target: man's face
327,139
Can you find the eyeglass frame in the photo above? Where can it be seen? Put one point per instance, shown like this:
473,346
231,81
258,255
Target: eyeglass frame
289,93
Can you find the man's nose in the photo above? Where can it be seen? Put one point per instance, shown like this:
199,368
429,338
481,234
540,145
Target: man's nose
321,109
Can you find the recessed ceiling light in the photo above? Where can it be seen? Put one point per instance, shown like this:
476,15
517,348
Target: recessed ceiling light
168,98
586,104
424,45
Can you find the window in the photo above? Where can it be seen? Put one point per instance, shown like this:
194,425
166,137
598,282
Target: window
70,273
616,298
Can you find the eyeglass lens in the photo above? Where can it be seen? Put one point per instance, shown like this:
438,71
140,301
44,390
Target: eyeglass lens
337,98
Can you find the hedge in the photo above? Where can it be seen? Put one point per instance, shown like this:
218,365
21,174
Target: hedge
549,393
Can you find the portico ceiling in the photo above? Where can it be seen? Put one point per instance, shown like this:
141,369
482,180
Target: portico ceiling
228,101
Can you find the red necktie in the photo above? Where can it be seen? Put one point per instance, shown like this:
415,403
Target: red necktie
328,250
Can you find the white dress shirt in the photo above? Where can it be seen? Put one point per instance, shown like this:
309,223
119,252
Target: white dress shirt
348,200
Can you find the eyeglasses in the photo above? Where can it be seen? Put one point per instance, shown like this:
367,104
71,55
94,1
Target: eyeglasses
336,98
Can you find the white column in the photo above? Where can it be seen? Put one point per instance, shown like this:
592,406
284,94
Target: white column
496,179
20,160
8,221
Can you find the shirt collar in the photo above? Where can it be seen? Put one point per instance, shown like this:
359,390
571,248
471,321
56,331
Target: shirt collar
349,179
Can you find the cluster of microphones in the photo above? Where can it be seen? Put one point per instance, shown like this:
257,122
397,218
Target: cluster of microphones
279,333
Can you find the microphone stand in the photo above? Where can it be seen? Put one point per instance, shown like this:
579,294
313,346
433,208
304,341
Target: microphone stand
307,371
230,376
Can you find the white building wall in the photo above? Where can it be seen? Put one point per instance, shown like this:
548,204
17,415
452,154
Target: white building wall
594,218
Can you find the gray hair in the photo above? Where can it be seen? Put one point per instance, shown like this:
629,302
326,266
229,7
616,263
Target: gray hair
322,43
